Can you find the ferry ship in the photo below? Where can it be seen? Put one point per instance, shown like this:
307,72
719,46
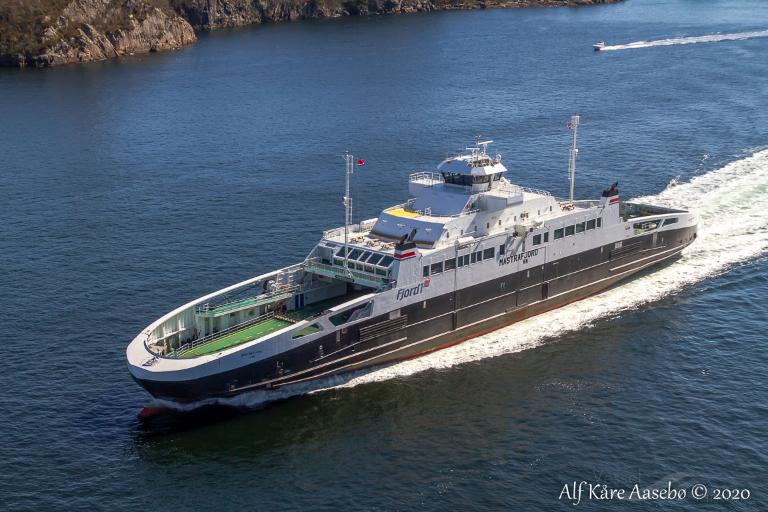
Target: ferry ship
468,253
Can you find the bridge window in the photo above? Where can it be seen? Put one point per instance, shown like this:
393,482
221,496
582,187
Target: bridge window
387,261
354,254
373,260
568,230
480,179
559,233
591,224
536,239
436,268
455,178
580,227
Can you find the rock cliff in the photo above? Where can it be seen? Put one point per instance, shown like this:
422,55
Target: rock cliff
210,14
51,32
90,30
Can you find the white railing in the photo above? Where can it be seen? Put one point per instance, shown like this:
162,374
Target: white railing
377,280
427,178
518,190
180,350
234,305
362,227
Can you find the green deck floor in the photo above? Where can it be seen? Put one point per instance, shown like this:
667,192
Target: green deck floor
238,337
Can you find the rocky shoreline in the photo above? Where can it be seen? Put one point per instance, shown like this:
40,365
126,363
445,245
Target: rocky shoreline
51,33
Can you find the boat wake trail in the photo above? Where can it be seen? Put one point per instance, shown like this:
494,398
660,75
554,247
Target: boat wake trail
713,38
730,203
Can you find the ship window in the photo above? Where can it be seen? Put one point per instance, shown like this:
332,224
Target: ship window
338,261
464,260
488,253
381,271
558,233
501,249
461,261
487,225
354,254
591,224
536,239
670,221
306,331
497,177
369,269
580,227
426,271
364,256
340,253
374,259
568,230
474,257
386,261
455,178
352,314
546,237
481,179
450,264
436,268
599,221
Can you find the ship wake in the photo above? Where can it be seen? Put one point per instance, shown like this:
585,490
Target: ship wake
672,41
731,205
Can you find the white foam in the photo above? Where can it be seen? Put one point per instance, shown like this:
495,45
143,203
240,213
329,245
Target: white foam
731,204
713,38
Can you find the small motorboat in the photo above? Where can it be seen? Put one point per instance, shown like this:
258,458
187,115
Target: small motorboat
599,46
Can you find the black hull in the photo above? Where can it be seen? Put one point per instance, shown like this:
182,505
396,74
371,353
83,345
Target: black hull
440,321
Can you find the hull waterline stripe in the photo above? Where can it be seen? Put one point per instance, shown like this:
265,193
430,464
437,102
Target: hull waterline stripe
474,335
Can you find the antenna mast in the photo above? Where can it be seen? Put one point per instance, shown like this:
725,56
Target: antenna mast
573,125
350,168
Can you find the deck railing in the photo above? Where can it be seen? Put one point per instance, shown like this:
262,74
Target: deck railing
362,227
374,280
180,350
427,178
234,305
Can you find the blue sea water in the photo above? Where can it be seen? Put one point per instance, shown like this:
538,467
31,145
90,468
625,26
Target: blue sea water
133,186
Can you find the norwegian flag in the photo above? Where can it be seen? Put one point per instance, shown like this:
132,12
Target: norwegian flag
360,162
568,125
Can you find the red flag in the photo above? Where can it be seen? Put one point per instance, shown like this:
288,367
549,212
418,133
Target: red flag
568,125
360,163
